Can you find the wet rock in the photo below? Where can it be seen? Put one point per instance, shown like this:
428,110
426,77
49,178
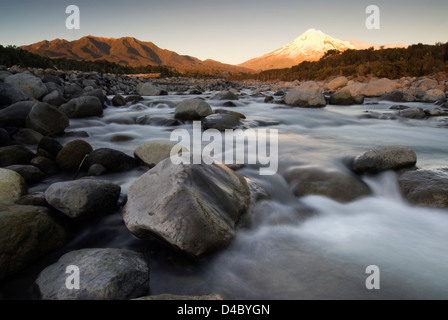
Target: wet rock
72,155
427,188
54,98
376,88
121,138
433,95
157,121
134,99
9,95
355,89
153,152
193,207
337,83
229,104
399,107
72,90
435,112
305,99
269,99
112,160
28,233
382,159
337,185
52,146
83,198
148,89
427,84
342,98
12,155
12,186
32,86
83,107
15,115
96,170
47,120
225,95
412,113
5,139
106,274
118,101
221,122
36,199
398,96
310,86
96,93
46,165
29,173
192,109
279,93
233,113
27,136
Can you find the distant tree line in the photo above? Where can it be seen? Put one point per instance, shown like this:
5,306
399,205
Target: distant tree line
416,60
11,55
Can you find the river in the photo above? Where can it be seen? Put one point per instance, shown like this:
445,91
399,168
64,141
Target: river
293,248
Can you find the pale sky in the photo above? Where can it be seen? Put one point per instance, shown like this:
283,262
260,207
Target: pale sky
231,31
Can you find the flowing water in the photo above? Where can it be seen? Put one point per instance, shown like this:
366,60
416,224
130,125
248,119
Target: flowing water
293,248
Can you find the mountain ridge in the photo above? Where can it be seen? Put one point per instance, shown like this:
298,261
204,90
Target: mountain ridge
127,51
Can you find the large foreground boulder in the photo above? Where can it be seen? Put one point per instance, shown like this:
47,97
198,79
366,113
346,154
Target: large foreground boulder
27,233
83,198
382,159
305,99
193,207
427,188
104,274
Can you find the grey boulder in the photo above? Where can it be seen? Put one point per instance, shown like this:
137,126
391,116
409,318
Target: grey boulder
104,274
83,198
382,159
195,208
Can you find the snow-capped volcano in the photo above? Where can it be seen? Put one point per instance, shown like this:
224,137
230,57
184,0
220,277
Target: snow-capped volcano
313,44
310,46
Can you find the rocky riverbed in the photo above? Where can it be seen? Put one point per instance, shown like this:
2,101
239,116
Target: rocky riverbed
86,181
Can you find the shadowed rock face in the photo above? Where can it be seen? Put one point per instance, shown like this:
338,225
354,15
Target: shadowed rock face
193,207
105,274
427,188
